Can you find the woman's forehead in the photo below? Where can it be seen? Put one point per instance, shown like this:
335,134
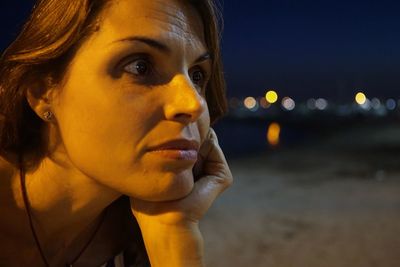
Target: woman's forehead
171,18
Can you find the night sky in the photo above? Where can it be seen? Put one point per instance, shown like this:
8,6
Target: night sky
312,48
299,48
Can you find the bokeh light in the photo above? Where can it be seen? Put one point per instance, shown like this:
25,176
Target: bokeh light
375,103
271,96
321,103
311,103
273,134
264,103
250,102
360,98
390,104
366,105
234,103
288,103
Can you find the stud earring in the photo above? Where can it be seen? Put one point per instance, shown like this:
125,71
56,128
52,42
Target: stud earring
48,115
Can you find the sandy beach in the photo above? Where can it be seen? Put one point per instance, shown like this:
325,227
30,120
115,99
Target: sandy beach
334,202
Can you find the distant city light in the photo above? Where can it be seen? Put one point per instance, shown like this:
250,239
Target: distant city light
264,103
234,103
375,103
288,103
311,104
321,103
250,102
390,104
273,134
366,105
360,98
271,96
240,107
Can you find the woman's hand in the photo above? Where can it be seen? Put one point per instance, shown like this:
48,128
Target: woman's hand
170,229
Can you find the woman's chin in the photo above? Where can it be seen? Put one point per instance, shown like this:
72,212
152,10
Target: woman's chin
179,186
168,187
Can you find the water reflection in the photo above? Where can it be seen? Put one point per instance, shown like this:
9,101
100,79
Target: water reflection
273,134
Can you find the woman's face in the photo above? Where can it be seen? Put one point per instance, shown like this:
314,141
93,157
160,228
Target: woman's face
131,110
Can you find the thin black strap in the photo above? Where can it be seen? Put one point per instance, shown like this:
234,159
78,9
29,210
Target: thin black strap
91,237
29,212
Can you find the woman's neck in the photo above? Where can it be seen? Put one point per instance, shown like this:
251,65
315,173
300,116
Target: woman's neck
64,202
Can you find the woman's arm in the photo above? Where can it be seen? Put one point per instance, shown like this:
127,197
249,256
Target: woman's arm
174,246
171,229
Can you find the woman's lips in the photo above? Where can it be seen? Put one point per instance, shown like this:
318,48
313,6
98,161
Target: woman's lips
190,155
178,149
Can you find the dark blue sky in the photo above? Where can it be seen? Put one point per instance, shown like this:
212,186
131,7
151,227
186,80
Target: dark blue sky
312,48
300,48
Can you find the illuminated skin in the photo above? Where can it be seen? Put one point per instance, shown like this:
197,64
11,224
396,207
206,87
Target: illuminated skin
134,85
135,95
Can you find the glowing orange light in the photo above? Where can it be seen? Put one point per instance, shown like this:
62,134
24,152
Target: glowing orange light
264,103
273,134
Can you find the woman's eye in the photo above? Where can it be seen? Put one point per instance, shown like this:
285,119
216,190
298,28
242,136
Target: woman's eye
138,67
198,77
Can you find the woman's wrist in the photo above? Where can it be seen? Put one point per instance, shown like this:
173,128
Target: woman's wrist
174,245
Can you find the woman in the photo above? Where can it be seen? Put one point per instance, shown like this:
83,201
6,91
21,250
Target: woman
105,139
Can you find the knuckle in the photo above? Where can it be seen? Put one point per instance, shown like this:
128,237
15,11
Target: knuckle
224,180
229,181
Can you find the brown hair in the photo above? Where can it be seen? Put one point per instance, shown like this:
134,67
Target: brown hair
41,54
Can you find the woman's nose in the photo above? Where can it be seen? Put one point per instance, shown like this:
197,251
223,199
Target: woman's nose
183,102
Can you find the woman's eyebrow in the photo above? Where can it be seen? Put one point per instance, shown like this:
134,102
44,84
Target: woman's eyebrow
160,46
148,41
204,57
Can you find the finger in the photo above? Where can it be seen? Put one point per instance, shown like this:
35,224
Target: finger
204,193
215,162
215,166
202,155
207,144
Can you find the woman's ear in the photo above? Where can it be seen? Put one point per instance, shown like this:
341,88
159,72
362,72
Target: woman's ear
40,100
